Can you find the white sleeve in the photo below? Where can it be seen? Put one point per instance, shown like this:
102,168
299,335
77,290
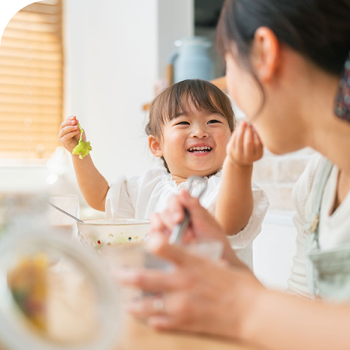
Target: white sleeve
135,197
245,237
118,201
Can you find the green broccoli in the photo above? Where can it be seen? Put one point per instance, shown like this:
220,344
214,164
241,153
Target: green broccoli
82,148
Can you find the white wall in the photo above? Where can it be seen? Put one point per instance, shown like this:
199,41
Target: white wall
111,58
115,51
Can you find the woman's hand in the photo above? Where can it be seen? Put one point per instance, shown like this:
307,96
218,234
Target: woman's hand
202,224
198,296
244,147
69,133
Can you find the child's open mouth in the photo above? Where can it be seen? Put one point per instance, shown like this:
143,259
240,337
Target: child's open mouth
200,150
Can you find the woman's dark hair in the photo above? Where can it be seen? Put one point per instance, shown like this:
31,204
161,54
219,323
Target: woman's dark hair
317,29
173,101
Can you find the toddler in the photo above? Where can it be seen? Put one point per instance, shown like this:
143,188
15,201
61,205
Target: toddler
190,128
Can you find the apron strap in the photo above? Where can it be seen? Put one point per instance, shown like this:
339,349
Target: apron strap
311,227
312,224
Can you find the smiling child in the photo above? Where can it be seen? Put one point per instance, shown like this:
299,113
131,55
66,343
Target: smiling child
190,129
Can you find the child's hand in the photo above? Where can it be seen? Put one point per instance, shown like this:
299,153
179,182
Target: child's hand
244,147
69,133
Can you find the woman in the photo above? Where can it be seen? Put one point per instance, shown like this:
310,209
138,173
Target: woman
285,70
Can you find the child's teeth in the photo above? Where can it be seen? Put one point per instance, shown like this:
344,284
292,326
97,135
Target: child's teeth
200,149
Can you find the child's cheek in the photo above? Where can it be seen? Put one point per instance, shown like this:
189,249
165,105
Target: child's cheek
174,143
222,136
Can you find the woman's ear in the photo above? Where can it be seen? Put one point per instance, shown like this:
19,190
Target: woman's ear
265,54
154,146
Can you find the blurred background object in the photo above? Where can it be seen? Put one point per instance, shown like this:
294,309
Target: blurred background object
31,82
48,281
60,221
191,60
206,16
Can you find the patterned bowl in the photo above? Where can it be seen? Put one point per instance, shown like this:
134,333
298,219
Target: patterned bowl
98,233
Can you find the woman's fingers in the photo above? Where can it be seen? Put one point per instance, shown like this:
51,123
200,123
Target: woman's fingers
190,203
173,253
164,311
157,225
201,219
171,216
147,306
150,280
162,322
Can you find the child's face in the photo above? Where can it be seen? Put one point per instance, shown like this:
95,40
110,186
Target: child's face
194,143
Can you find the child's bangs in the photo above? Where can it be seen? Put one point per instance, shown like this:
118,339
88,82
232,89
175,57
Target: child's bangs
204,97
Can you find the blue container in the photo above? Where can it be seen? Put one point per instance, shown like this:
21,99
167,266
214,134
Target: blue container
192,60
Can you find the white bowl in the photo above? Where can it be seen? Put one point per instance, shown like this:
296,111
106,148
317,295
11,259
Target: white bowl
99,233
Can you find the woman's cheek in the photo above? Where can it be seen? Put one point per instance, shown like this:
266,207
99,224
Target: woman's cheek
231,88
232,78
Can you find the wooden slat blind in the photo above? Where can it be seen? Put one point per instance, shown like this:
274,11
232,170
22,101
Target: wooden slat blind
31,82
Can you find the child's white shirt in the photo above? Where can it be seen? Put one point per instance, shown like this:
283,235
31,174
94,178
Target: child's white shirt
140,196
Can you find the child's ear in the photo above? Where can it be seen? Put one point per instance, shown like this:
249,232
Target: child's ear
154,146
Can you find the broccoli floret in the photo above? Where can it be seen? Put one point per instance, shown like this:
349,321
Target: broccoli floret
82,148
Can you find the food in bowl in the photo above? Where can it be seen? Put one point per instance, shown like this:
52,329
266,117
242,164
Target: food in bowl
99,233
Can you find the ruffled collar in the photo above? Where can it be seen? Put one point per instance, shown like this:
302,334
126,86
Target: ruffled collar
169,179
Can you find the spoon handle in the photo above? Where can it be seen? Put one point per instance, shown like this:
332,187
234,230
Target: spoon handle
179,229
64,212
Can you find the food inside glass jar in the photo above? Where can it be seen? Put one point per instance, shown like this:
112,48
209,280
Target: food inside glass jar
28,285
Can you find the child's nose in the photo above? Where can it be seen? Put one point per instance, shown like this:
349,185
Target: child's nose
199,133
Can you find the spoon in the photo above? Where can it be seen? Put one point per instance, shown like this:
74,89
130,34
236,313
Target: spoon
179,229
64,212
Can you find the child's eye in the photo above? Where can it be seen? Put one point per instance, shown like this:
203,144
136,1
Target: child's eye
183,123
213,121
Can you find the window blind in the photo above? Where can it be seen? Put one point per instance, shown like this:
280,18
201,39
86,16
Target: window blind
31,82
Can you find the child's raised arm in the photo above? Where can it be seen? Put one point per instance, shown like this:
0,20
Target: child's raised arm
235,200
92,184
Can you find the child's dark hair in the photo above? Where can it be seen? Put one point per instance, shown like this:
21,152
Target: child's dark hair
318,29
172,101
